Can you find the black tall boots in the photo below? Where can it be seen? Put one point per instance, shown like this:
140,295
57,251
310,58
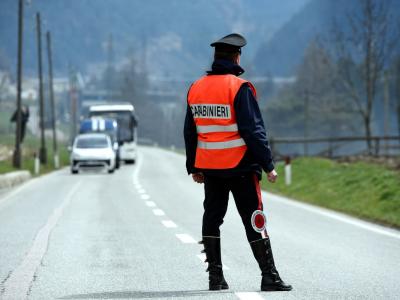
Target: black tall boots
212,249
271,280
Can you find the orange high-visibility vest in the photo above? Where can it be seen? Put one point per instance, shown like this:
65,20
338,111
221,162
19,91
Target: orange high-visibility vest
219,144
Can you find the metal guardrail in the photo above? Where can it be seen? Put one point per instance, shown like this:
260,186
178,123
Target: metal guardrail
380,145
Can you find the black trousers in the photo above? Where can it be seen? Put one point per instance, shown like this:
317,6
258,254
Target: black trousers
245,190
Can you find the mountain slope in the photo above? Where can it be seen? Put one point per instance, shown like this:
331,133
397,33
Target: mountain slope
282,54
176,33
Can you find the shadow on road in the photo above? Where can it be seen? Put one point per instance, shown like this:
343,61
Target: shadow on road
144,294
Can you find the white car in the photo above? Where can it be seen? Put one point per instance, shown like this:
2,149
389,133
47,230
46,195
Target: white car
92,150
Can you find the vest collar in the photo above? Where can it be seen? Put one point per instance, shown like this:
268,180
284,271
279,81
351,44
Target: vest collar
222,66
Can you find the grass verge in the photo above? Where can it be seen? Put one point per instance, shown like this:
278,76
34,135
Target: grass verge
29,148
368,191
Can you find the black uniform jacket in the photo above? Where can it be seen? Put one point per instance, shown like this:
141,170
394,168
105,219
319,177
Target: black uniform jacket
258,156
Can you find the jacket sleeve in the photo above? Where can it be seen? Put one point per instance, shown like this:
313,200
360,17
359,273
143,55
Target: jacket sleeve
190,135
251,127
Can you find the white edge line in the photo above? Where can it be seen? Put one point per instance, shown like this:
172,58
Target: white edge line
18,284
333,215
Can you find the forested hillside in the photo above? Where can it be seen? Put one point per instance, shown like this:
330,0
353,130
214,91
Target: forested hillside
175,33
282,54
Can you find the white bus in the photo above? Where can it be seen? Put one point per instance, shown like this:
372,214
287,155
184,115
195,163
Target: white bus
127,127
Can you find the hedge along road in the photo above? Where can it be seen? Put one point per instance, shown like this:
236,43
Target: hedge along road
132,235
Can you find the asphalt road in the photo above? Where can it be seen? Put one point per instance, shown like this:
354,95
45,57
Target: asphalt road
132,235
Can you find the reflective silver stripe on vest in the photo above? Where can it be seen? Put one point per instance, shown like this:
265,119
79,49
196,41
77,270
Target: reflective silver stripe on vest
221,145
217,128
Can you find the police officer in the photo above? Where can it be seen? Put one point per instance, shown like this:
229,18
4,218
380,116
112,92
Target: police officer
227,149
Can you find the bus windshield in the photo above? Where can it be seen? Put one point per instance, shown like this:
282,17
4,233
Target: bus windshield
124,120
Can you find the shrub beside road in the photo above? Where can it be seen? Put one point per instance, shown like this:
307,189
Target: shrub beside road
365,190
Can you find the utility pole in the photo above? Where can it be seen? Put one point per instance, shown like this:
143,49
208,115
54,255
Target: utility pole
306,120
386,113
17,150
110,67
53,108
42,150
73,92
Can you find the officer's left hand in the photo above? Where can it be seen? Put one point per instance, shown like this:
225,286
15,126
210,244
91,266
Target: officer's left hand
198,177
272,176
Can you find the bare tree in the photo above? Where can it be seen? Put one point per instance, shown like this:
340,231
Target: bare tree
4,74
313,105
325,105
133,80
3,77
362,54
396,73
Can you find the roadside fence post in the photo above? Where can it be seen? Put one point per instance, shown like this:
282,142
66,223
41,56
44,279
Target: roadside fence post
56,161
377,145
288,171
36,163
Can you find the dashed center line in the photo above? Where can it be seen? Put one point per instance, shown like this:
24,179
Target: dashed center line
135,175
202,257
150,204
169,224
249,296
158,212
185,238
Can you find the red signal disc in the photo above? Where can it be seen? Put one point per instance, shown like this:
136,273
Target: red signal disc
258,220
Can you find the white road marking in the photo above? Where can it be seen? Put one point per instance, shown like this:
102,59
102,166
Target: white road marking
334,215
135,175
169,224
141,191
18,284
249,296
145,196
185,238
202,257
150,204
158,212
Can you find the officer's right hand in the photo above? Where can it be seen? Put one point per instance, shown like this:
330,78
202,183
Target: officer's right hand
198,177
272,176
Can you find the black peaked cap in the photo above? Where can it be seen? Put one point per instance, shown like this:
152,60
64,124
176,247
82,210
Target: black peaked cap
234,40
